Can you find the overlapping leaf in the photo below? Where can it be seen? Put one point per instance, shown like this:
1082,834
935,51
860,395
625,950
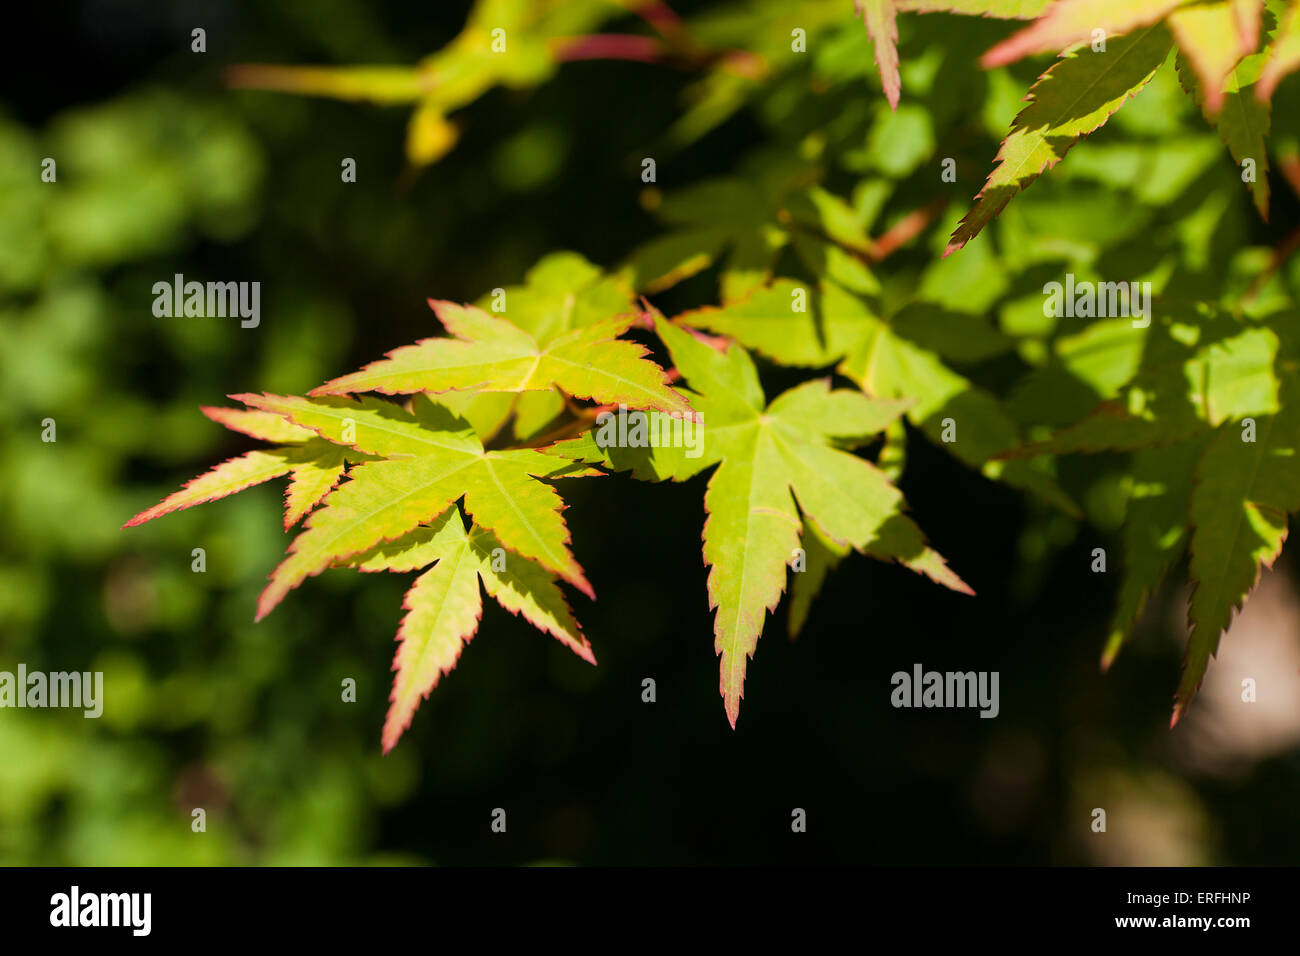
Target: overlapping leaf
1199,368
745,223
490,354
397,512
768,457
561,293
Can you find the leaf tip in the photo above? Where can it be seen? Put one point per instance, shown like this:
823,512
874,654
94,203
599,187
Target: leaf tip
266,603
733,711
391,735
996,56
439,305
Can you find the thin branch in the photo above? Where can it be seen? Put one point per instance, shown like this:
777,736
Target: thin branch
906,229
660,16
1281,253
1289,166
609,46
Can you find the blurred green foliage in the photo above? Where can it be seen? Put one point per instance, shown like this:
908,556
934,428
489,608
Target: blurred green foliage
141,182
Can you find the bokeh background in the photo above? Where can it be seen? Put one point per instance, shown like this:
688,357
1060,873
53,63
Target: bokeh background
163,169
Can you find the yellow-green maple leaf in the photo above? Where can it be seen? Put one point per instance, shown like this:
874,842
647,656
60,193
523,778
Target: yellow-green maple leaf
779,464
490,354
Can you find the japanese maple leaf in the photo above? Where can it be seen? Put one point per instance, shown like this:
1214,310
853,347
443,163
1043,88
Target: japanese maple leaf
768,457
432,458
1211,415
490,354
444,604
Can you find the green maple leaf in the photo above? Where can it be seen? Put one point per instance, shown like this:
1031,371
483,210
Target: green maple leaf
399,514
490,354
432,458
1155,531
768,457
1206,381
560,293
729,215
444,604
1076,96
1199,368
745,223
